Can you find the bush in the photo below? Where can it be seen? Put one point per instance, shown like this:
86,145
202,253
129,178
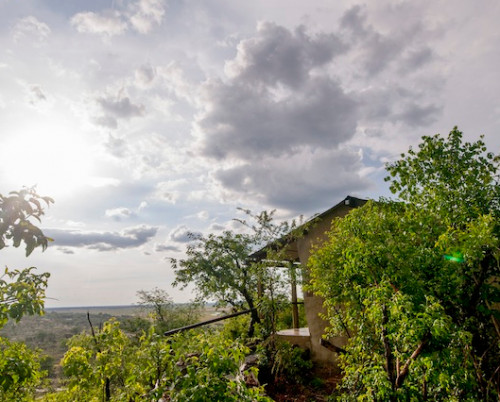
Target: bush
194,366
20,371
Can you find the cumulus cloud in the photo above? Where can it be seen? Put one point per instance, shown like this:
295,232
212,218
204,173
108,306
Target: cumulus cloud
404,48
145,75
168,190
117,108
120,107
103,241
215,227
144,14
203,215
108,23
36,95
66,250
114,145
30,28
165,247
141,16
181,234
119,214
282,117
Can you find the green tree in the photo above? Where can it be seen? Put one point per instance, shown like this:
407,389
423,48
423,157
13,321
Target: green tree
22,291
165,313
218,266
98,364
413,284
221,268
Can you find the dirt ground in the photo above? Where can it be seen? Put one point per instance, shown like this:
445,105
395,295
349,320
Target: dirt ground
319,386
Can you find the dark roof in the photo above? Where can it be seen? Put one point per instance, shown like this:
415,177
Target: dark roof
350,201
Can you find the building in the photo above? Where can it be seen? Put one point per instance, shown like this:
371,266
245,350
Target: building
299,250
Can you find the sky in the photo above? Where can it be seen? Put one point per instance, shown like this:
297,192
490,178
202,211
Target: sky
149,119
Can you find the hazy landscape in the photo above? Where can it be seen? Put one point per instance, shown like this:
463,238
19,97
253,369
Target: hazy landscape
51,331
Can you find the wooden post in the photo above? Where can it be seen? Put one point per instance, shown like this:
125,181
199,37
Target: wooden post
295,305
200,324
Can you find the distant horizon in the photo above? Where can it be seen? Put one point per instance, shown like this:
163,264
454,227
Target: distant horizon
97,306
111,306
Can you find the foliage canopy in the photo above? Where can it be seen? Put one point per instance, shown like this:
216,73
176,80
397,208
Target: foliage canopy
418,279
22,291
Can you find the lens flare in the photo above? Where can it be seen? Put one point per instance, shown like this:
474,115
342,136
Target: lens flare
455,257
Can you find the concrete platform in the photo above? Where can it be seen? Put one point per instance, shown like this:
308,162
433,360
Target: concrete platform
297,336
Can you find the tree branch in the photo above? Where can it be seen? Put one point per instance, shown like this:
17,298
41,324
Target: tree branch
331,346
405,370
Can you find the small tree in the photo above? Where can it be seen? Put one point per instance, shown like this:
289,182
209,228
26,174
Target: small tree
418,279
218,266
221,268
165,313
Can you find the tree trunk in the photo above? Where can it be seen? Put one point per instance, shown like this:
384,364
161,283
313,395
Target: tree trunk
255,319
389,358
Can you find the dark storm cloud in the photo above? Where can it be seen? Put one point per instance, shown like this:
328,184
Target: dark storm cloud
248,123
354,20
398,105
273,103
415,115
282,92
283,117
277,55
305,182
103,241
416,58
377,51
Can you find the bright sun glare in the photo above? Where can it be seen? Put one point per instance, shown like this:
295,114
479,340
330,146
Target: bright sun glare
56,162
